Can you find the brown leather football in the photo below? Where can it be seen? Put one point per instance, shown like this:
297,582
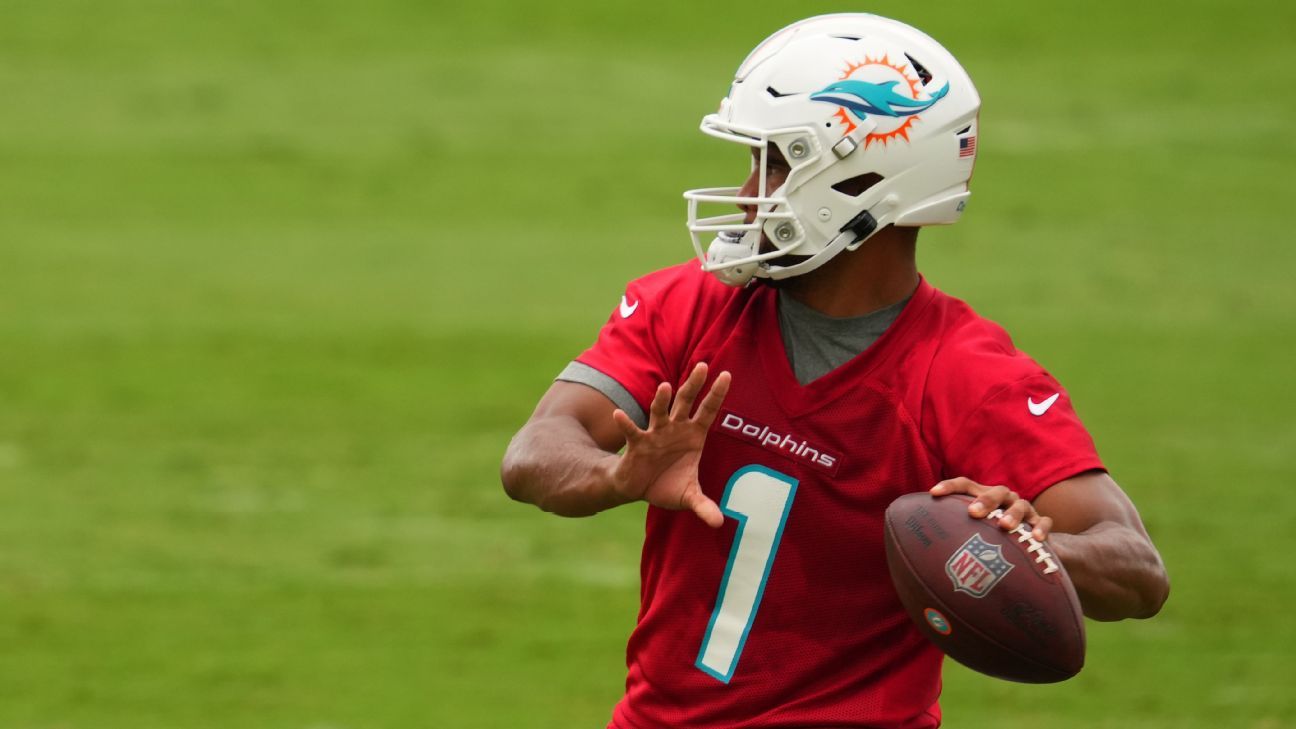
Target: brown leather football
998,602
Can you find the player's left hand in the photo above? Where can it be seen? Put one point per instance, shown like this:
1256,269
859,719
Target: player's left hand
660,464
988,498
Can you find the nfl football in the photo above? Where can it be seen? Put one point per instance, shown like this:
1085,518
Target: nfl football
998,602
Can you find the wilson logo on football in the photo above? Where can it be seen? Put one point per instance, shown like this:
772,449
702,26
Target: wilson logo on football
977,566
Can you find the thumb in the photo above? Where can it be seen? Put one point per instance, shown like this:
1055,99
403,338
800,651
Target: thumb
705,508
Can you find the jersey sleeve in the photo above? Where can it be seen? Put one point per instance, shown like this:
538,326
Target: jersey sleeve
646,339
1003,419
1025,435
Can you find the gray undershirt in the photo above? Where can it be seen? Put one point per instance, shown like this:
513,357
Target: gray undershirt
816,344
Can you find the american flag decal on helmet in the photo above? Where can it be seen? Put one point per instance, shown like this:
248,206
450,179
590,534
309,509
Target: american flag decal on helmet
967,146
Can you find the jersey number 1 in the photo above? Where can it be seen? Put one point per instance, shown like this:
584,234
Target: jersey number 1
760,500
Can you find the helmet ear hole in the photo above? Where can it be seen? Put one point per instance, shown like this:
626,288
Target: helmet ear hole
858,185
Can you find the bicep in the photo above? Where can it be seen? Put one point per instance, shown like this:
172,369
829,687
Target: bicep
590,408
1082,502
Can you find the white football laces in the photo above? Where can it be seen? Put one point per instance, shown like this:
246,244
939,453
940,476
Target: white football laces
1034,546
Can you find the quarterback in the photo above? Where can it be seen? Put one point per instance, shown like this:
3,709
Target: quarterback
769,400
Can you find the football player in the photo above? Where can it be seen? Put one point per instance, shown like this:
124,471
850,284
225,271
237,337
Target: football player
770,400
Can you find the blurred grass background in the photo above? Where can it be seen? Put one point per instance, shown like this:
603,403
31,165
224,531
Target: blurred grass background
279,280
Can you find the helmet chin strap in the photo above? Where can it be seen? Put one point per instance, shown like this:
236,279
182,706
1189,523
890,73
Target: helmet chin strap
748,264
861,226
852,236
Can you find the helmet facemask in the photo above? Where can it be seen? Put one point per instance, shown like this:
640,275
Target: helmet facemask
775,244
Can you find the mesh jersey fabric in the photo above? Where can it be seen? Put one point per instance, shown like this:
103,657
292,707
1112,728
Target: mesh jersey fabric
825,641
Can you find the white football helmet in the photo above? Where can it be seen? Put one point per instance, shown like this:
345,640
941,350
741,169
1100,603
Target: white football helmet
878,124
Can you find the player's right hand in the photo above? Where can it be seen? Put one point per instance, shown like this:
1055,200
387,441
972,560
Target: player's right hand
660,464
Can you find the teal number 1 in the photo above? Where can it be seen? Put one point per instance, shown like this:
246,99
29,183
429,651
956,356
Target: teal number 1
760,499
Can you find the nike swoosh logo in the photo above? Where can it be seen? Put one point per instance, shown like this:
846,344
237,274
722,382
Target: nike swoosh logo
1039,408
627,309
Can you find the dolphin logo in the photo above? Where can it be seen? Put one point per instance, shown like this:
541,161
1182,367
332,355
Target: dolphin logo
863,98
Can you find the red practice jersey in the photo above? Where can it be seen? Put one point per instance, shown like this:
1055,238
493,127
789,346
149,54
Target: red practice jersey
786,616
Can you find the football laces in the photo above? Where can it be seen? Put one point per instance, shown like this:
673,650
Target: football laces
1033,545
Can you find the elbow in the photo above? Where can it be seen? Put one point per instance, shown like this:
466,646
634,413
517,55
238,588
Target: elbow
1136,605
513,474
508,479
1144,600
1136,591
1156,596
1155,587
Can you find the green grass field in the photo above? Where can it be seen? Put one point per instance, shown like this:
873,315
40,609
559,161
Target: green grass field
279,280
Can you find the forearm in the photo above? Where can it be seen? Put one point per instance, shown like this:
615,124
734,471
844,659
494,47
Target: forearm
1116,571
556,465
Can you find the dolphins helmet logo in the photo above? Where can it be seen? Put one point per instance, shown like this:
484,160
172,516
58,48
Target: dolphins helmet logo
888,92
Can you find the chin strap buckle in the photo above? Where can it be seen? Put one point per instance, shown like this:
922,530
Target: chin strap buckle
862,226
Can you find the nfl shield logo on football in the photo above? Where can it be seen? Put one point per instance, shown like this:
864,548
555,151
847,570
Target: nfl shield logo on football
977,567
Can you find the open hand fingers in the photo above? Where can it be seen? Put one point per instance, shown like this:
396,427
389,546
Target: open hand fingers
657,410
687,396
710,406
688,392
629,429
